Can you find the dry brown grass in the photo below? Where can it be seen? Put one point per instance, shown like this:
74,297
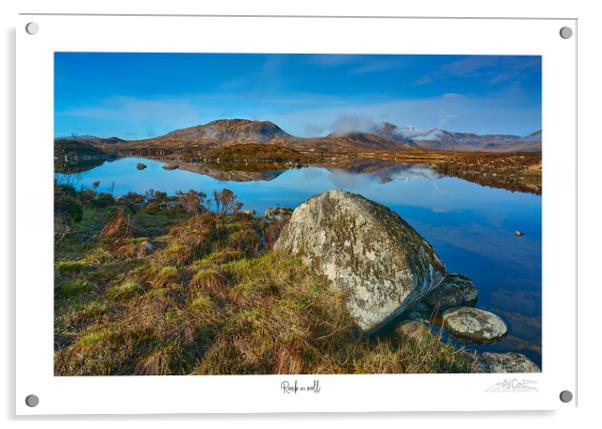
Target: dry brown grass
208,282
118,229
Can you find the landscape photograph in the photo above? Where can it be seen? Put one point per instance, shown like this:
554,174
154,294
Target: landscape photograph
237,214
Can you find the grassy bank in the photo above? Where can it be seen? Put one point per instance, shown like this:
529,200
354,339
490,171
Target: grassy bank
151,284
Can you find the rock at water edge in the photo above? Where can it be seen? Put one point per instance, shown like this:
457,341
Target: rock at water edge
474,324
366,250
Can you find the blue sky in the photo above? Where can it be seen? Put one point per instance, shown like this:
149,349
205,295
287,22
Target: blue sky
140,95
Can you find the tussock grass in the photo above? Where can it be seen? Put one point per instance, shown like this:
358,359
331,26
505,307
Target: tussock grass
92,338
75,287
96,256
124,291
83,314
221,257
64,267
166,275
208,282
189,241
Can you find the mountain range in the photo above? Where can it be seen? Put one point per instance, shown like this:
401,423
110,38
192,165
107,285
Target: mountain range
384,137
439,139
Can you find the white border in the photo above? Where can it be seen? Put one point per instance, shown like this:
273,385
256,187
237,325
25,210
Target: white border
351,393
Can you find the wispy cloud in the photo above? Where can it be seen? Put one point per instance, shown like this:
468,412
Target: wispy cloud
377,66
445,118
143,117
349,122
332,60
485,67
162,109
359,64
453,95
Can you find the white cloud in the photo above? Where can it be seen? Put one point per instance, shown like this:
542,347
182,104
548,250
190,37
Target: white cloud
347,123
452,95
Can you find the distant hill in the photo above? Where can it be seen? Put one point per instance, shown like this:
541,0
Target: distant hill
534,137
228,130
385,137
76,137
355,141
90,139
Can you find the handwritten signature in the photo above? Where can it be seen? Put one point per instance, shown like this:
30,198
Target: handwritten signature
513,385
295,387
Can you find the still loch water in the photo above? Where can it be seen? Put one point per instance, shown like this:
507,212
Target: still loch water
470,226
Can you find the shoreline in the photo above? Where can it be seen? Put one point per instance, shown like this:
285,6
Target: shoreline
511,171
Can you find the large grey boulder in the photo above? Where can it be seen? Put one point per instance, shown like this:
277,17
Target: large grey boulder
454,291
366,250
505,362
474,324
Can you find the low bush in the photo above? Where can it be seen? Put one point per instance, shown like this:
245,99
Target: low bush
152,208
103,199
192,201
68,208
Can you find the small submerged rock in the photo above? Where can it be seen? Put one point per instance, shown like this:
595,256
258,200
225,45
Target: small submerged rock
170,166
454,291
519,233
140,166
474,324
366,250
505,362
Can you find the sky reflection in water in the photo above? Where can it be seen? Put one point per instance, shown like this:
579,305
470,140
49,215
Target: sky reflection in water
470,226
